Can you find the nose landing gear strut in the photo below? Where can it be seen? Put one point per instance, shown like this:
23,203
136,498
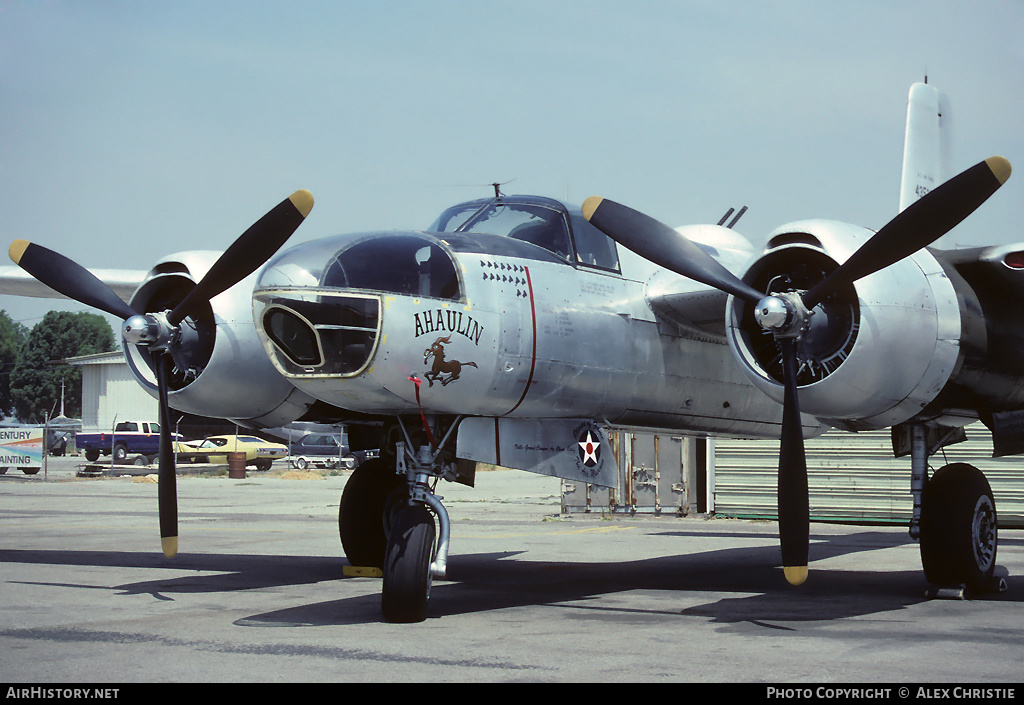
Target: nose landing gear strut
417,552
390,518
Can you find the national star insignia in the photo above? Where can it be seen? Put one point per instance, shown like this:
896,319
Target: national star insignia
589,448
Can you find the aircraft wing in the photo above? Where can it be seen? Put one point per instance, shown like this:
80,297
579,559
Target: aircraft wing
998,268
690,305
698,307
17,282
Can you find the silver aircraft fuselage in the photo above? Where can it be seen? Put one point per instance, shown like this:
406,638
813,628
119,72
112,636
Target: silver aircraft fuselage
500,324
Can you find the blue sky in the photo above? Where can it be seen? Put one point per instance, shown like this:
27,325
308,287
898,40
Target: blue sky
130,130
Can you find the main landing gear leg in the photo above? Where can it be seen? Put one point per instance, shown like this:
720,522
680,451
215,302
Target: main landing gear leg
955,521
361,512
416,551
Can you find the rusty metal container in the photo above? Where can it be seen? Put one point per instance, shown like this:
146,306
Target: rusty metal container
236,466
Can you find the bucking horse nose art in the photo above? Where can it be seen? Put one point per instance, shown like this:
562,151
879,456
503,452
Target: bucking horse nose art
443,371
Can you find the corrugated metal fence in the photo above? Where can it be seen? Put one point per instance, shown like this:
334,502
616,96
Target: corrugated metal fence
854,477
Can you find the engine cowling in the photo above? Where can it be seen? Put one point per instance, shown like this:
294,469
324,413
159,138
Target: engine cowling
872,355
220,368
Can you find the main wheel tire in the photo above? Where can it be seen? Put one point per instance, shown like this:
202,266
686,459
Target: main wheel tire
395,504
959,528
361,512
120,453
407,577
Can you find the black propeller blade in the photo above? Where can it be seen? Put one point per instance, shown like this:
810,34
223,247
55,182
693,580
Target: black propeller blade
917,226
248,253
253,248
793,499
68,277
167,489
659,243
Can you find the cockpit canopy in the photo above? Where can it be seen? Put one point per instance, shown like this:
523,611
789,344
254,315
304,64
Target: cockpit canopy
538,221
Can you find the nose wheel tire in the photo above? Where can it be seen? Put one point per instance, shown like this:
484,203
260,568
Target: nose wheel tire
959,529
407,576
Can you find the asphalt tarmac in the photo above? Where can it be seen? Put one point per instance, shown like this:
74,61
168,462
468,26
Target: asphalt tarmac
257,594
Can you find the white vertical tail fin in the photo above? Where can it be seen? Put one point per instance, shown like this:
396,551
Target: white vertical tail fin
926,146
924,150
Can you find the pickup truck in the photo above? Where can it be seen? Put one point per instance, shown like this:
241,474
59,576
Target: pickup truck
128,438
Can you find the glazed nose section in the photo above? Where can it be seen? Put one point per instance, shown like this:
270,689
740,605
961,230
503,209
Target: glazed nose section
411,264
318,305
331,335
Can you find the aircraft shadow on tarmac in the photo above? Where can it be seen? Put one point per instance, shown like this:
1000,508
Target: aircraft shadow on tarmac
486,582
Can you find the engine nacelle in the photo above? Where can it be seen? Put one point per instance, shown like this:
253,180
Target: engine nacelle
872,355
220,368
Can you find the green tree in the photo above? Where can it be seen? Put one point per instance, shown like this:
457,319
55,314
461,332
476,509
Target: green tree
12,337
36,381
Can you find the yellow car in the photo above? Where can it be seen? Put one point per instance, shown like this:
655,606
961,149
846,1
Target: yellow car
215,449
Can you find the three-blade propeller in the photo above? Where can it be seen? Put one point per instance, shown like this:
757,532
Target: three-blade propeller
158,330
785,314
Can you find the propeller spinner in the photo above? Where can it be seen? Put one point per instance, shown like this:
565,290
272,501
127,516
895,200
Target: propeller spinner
160,331
787,314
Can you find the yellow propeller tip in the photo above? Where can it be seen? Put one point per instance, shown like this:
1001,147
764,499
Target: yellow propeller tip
795,575
1000,167
590,205
169,544
303,201
17,250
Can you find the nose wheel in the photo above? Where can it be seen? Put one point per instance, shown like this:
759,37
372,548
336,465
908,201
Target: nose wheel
407,565
390,518
417,551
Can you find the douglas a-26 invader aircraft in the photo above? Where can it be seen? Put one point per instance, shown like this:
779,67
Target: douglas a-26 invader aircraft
516,330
